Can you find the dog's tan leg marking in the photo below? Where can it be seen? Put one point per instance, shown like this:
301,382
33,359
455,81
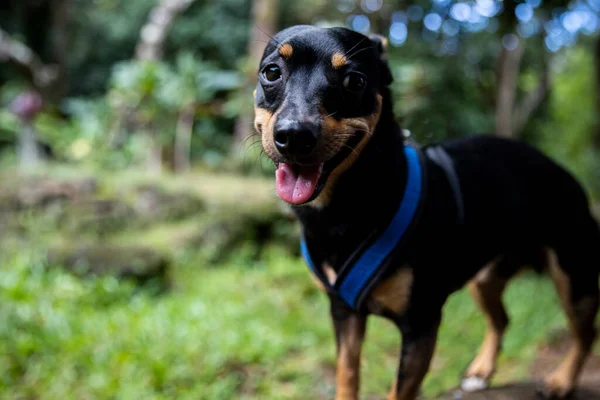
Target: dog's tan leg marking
414,365
392,294
486,289
350,333
581,315
330,273
318,283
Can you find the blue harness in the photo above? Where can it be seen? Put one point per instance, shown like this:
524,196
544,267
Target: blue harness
361,272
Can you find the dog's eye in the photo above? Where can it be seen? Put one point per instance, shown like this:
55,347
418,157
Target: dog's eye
354,82
272,73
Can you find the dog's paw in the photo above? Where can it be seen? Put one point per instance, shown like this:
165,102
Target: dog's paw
555,389
473,384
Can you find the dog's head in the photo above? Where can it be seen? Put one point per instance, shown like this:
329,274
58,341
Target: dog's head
317,103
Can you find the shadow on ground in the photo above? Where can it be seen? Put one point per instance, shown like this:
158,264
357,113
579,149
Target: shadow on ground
520,391
549,356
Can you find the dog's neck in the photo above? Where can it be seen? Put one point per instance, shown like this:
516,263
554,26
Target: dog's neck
364,197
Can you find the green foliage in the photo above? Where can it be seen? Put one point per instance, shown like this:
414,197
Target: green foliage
569,134
129,104
230,332
74,138
461,107
195,81
246,327
216,30
156,93
113,27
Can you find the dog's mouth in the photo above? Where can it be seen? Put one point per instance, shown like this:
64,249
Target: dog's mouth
299,184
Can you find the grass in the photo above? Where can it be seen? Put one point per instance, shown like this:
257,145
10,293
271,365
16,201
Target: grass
244,331
240,329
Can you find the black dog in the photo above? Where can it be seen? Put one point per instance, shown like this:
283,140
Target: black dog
392,229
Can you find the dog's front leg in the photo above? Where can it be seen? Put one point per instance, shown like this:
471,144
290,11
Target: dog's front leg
349,328
418,344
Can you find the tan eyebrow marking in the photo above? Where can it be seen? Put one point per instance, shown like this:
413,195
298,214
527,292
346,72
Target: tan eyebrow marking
286,50
338,60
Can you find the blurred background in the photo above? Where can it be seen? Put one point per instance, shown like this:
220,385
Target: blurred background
143,252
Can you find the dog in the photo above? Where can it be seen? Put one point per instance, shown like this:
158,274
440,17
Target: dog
392,229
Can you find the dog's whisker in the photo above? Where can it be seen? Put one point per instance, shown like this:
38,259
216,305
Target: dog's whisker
353,47
250,136
359,51
272,38
351,148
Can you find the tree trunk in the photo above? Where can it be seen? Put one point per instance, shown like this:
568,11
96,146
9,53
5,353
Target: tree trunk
60,48
154,33
508,75
183,138
264,23
597,66
154,160
30,155
42,75
42,20
531,102
150,48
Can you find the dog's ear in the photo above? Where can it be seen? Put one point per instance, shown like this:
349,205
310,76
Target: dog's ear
380,43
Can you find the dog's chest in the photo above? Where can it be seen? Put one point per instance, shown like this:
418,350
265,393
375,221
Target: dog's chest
391,295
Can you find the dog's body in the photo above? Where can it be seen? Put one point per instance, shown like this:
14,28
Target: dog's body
340,163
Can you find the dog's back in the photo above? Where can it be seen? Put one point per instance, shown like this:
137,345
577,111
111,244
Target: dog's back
516,194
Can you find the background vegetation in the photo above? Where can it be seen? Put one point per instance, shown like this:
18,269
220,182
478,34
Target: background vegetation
143,252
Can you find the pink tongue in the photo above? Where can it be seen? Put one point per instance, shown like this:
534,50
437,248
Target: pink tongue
296,185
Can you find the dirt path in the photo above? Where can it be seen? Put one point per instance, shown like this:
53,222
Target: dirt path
548,358
518,391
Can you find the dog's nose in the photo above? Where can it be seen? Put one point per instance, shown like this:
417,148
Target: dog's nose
295,138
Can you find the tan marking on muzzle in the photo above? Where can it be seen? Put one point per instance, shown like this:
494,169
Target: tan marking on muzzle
262,118
338,60
286,50
264,123
336,134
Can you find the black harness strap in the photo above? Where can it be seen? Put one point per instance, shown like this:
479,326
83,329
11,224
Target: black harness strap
438,155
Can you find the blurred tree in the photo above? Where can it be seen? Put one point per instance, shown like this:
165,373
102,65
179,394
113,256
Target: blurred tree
597,67
154,33
43,26
135,99
150,48
42,76
508,75
190,91
263,24
26,106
